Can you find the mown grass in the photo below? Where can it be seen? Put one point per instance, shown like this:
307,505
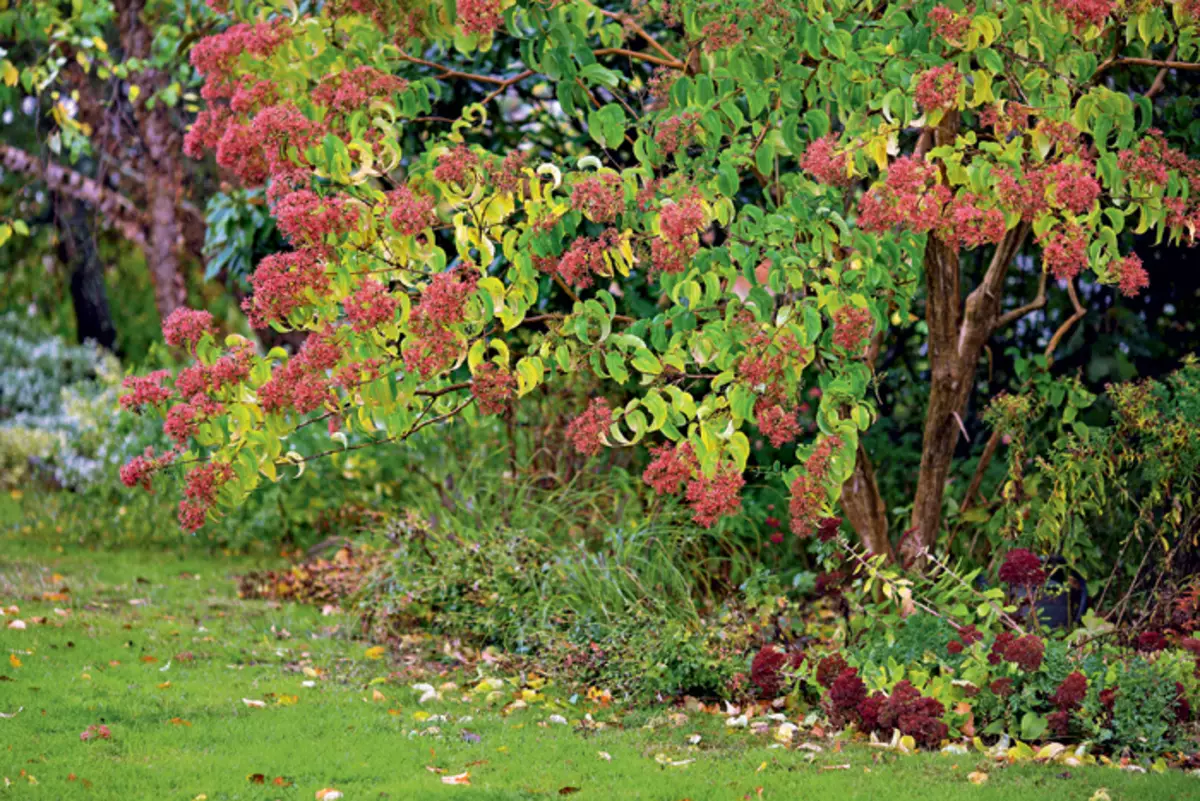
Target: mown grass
156,646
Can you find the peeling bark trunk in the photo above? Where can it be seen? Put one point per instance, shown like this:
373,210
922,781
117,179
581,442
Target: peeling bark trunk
864,506
77,250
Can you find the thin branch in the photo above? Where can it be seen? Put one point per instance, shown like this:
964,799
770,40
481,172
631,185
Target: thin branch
1067,324
397,438
629,22
447,72
620,51
1033,305
1147,62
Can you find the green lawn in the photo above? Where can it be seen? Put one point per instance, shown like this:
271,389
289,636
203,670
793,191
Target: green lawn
157,647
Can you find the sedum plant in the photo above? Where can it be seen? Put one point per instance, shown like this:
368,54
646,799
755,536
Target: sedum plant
763,189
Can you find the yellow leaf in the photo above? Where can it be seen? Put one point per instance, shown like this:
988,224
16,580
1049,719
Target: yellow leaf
134,91
100,44
11,76
375,652
287,700
12,660
977,777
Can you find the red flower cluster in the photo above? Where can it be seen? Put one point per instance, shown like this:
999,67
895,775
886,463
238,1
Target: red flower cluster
302,383
601,198
678,223
306,219
851,326
432,345
910,197
720,34
808,490
1022,568
947,24
829,668
914,715
185,327
1025,652
344,92
587,432
845,697
94,731
966,222
585,259
676,132
479,16
216,56
456,166
767,669
282,283
1065,251
1085,13
937,88
779,425
145,390
1002,688
828,528
1068,698
824,162
1074,185
970,635
1151,642
200,493
140,469
370,306
671,468
1133,276
184,419
716,497
492,388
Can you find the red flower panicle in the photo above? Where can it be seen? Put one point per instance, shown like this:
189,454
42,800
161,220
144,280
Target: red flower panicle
587,432
492,387
1133,276
1022,568
185,327
716,497
779,425
824,163
937,88
671,468
370,306
601,198
145,390
851,326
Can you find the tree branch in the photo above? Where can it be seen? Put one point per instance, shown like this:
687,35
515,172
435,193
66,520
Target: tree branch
117,209
1035,304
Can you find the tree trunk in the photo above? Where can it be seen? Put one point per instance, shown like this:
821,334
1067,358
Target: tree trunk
864,506
77,251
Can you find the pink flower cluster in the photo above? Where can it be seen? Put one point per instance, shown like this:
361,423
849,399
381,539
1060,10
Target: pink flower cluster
947,24
140,469
1133,276
493,388
479,16
808,490
456,166
432,345
1085,13
410,213
852,325
715,497
968,222
601,198
676,132
937,88
283,283
95,731
344,92
302,383
587,432
184,327
306,219
779,425
720,35
370,306
678,223
910,197
671,468
200,493
585,259
145,390
822,160
216,56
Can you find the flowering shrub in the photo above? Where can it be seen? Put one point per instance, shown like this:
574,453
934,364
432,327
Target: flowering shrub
776,222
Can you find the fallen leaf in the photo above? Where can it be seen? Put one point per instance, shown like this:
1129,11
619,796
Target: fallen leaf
977,777
164,685
287,700
179,722
18,625
568,790
607,757
148,659
255,704
279,781
12,660
256,778
328,794
377,696
1101,795
461,778
375,652
835,767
